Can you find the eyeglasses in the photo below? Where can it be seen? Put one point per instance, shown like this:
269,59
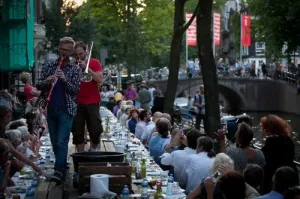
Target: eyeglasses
65,50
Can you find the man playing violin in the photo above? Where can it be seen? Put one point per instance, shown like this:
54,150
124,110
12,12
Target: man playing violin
88,100
65,78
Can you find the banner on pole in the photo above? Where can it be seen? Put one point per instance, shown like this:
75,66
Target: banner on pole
191,32
217,29
246,30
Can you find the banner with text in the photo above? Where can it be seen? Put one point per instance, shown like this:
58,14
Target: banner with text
191,32
246,30
217,27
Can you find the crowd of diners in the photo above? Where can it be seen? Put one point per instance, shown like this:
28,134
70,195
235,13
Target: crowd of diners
238,171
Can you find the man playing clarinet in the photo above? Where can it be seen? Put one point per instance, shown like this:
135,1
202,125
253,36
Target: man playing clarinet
64,77
88,100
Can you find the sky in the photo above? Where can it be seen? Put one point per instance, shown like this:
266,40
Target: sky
79,2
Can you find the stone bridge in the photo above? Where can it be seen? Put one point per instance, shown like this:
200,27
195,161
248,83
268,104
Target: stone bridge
248,94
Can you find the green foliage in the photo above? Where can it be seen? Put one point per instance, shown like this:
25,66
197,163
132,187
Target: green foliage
64,19
55,21
277,22
139,36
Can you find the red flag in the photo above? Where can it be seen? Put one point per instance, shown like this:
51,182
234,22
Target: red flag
191,32
246,30
217,24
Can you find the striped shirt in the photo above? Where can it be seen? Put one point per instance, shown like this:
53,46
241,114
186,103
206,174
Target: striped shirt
241,160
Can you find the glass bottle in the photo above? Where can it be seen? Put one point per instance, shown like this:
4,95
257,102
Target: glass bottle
143,169
133,163
158,193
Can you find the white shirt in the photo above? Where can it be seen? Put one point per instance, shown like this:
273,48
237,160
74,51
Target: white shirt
104,96
139,129
151,92
197,167
178,159
147,134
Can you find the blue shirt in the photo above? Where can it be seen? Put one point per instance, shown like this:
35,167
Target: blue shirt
131,125
271,195
58,98
157,146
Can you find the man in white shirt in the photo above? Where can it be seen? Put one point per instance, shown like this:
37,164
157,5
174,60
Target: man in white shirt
141,125
177,158
147,133
197,166
151,89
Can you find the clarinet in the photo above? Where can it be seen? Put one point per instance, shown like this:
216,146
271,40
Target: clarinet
53,84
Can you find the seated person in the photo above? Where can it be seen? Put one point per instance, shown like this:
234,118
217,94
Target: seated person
158,143
150,128
243,153
5,118
222,163
293,193
253,175
14,136
177,158
198,166
32,143
133,120
283,179
4,166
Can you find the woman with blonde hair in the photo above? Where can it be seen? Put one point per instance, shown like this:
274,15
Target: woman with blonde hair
279,149
29,91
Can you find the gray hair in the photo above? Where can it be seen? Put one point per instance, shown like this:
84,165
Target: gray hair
157,115
221,159
166,116
67,40
129,102
13,135
24,131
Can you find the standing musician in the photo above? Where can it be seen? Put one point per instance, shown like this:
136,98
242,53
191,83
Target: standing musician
88,100
65,78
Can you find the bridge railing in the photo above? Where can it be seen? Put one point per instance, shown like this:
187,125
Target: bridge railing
286,76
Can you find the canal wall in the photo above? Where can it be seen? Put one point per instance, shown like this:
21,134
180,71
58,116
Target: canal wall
248,94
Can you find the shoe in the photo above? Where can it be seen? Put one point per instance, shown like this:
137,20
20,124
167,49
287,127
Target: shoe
57,177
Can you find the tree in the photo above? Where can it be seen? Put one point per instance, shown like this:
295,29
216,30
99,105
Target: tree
176,45
277,23
180,27
208,66
157,32
55,21
64,19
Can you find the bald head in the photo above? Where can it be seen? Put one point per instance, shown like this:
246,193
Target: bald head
157,115
167,116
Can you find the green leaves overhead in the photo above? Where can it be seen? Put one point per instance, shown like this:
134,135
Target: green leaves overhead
277,22
137,31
